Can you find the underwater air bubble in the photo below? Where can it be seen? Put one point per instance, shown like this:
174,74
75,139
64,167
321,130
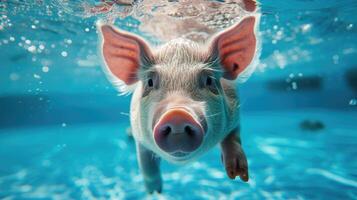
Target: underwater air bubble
31,49
45,69
294,85
68,41
305,28
335,59
64,53
14,76
353,102
36,76
350,26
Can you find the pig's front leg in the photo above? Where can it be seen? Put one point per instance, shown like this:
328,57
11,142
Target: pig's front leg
233,156
149,165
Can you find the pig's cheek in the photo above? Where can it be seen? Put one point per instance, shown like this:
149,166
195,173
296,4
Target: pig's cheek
148,109
216,117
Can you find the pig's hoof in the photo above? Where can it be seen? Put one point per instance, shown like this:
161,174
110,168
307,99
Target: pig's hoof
153,186
235,163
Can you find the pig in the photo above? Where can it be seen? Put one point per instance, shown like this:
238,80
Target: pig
184,99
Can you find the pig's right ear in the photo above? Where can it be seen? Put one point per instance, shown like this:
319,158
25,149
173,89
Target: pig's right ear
123,53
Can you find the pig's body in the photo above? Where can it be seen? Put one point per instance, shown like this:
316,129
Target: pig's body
184,100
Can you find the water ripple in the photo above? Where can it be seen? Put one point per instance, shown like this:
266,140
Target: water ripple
333,177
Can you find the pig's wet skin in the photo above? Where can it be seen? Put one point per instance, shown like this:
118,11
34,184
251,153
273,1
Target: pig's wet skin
149,165
184,100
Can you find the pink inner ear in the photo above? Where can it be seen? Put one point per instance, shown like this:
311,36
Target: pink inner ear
250,5
236,48
122,53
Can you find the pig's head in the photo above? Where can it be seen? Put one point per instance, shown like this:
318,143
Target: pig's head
182,106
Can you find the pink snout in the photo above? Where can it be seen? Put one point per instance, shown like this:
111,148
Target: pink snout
178,133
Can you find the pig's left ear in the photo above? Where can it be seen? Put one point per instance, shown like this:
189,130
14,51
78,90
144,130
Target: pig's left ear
124,54
236,49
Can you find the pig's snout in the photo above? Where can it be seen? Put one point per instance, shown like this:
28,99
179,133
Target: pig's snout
178,133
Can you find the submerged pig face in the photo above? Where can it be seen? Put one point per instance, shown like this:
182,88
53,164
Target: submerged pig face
175,99
181,106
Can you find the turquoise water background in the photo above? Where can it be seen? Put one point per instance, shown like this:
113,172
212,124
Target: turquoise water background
63,126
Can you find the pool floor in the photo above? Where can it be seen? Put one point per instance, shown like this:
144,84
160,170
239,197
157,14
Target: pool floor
98,161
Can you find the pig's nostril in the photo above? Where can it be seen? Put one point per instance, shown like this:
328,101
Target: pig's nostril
189,130
166,131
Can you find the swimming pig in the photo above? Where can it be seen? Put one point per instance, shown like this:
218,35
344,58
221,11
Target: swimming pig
184,100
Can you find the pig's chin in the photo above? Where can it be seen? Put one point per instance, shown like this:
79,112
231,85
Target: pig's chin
178,157
179,154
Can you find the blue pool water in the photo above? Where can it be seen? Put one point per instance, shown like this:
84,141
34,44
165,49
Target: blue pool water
63,126
98,161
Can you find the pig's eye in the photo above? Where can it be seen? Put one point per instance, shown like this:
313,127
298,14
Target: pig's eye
150,82
208,81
